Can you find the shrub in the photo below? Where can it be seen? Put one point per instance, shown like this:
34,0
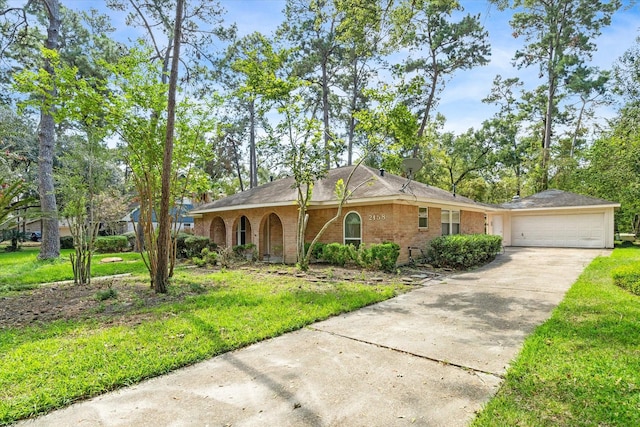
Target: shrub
337,254
317,251
109,293
386,255
379,256
66,242
181,246
111,244
225,257
207,257
627,277
463,251
131,239
193,245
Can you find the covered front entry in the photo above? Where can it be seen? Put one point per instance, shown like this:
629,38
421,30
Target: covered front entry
568,231
272,239
218,232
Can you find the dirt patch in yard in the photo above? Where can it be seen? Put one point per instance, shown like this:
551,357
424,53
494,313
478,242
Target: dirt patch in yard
120,299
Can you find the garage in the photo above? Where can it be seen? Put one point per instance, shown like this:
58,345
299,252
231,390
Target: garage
555,218
562,231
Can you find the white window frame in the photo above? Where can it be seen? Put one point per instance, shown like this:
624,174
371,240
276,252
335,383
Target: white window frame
421,215
344,230
241,230
450,223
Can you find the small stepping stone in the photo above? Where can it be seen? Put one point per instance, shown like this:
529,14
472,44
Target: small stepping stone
110,259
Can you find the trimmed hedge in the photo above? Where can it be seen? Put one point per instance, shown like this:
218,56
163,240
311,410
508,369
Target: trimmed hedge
193,245
111,244
627,277
382,256
337,254
317,251
377,256
463,250
66,242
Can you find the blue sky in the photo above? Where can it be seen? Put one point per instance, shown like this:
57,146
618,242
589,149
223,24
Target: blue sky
461,100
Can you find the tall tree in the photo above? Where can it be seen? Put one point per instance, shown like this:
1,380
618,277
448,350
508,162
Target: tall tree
558,36
253,68
313,28
161,282
362,33
439,48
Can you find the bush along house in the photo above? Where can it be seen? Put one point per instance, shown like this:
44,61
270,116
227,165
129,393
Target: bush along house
382,208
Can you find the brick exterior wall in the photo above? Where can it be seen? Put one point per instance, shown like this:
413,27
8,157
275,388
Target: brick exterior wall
472,222
392,222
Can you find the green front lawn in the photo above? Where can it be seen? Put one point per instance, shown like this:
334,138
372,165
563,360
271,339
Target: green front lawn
582,366
51,365
22,270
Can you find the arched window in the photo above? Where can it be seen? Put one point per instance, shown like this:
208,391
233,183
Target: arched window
352,229
241,231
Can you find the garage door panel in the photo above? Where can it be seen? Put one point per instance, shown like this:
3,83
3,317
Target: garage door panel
579,230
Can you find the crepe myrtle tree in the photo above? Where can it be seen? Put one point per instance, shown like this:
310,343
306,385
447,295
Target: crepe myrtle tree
138,108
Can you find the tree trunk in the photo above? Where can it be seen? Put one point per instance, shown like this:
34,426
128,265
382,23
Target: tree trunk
50,247
325,114
354,102
253,163
164,231
548,120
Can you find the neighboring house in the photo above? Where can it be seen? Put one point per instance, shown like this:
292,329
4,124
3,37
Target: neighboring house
555,218
382,208
185,222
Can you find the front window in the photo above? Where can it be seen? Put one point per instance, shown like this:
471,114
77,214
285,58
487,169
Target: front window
423,217
450,222
352,229
241,236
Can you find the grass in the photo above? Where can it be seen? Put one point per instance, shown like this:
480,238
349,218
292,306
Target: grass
582,366
22,270
49,366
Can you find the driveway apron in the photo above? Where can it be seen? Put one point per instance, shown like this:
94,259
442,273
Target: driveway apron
431,357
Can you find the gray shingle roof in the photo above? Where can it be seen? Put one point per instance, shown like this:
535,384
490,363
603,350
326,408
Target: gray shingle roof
556,199
281,192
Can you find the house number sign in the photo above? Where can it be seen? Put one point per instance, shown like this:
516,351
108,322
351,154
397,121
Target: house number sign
377,217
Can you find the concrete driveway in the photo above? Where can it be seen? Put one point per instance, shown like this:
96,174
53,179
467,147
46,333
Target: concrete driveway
431,357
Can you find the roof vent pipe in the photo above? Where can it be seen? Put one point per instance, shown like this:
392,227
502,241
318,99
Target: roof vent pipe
381,172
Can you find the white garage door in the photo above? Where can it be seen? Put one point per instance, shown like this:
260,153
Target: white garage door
567,231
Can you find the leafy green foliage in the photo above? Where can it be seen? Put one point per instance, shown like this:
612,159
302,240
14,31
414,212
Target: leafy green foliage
339,254
66,242
108,244
627,277
106,294
378,256
317,250
193,245
208,257
463,250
